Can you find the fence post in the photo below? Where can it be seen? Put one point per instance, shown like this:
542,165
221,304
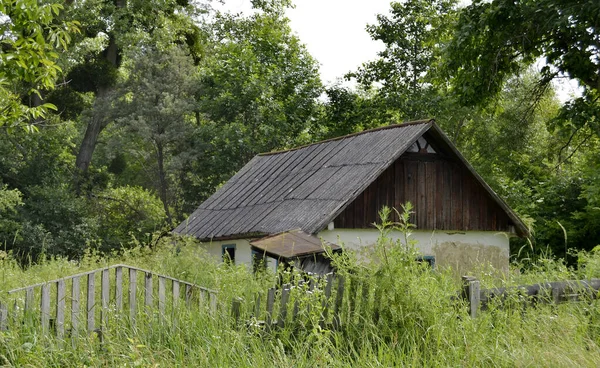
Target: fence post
270,302
3,316
75,295
104,296
472,293
285,295
213,302
325,303
132,294
148,290
45,307
119,288
60,308
235,309
339,298
161,296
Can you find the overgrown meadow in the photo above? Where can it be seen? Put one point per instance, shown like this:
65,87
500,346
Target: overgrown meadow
410,317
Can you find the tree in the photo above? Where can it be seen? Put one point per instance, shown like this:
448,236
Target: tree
405,72
258,92
159,98
29,39
497,39
119,25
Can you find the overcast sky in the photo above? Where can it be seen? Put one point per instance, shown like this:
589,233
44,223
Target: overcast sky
332,30
334,34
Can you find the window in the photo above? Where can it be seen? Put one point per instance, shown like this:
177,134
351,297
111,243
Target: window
228,253
259,261
427,259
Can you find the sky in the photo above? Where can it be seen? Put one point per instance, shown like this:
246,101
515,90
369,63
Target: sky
334,34
333,31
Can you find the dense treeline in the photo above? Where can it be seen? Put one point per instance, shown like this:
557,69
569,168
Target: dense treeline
119,117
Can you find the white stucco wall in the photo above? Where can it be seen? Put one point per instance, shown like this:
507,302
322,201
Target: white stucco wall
462,251
243,252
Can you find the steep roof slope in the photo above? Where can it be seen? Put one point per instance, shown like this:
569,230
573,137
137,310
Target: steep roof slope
303,188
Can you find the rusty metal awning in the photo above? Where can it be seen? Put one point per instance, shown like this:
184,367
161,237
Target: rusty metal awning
291,244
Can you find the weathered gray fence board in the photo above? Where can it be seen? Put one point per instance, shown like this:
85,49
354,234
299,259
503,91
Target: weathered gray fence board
104,297
75,295
60,308
45,307
3,317
119,288
270,303
285,295
148,290
548,292
132,294
59,301
91,301
161,295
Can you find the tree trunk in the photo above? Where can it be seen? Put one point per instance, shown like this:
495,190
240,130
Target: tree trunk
162,181
98,121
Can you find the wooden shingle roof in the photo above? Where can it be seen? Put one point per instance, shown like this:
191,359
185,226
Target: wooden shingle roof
303,188
307,187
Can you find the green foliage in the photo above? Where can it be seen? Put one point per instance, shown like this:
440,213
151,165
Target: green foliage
418,323
406,69
127,216
495,39
29,40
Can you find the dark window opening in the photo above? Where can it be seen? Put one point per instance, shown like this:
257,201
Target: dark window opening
259,261
430,260
229,253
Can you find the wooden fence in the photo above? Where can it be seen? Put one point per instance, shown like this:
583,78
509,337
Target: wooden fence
548,292
330,300
45,304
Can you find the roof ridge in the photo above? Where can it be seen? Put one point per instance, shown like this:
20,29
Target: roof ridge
391,126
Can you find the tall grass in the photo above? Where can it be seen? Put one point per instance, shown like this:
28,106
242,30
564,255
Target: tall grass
409,318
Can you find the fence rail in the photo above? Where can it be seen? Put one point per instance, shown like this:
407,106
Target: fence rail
548,292
61,306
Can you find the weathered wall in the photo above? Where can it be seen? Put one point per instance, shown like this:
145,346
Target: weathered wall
243,251
463,251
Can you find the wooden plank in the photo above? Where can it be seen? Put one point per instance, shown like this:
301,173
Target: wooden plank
421,207
104,297
430,195
161,295
148,289
188,295
175,293
132,294
257,306
213,302
236,305
91,301
399,196
119,288
325,303
337,322
28,300
270,302
45,308
285,295
60,308
75,305
202,296
439,195
473,294
3,316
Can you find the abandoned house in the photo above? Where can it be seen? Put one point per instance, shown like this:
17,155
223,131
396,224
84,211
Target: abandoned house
285,204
